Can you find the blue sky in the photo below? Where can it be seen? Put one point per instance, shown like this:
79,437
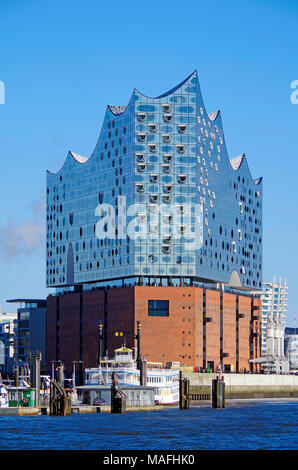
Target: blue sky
63,62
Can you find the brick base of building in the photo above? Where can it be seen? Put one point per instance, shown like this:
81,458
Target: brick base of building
195,326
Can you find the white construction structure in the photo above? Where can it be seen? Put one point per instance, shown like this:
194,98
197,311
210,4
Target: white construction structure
274,307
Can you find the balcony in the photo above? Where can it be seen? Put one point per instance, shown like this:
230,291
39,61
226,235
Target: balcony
166,108
141,136
167,157
181,179
153,178
166,138
152,127
181,128
180,148
166,199
141,167
166,168
153,198
140,157
167,188
167,239
152,148
167,117
140,187
141,117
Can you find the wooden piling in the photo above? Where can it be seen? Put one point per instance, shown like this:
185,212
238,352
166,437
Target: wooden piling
184,396
218,393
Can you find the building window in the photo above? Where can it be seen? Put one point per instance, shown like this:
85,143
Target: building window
158,308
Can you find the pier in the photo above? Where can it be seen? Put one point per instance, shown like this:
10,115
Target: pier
243,386
82,409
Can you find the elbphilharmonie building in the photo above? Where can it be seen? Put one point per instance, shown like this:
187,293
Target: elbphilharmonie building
158,200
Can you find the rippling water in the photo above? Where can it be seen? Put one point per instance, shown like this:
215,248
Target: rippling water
240,426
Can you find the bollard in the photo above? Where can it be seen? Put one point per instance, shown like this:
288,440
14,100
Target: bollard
118,398
184,396
35,359
218,393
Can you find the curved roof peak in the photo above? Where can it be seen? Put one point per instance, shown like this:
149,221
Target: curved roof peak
237,161
172,90
213,116
258,180
117,109
78,158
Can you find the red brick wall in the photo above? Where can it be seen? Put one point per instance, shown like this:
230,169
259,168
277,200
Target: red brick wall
213,328
178,337
169,338
229,329
93,313
244,333
120,318
257,329
198,333
69,341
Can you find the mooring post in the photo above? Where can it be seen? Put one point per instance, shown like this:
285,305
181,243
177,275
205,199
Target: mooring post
118,398
100,339
184,396
35,359
139,358
218,391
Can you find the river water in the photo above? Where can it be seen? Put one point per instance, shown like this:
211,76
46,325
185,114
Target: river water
242,425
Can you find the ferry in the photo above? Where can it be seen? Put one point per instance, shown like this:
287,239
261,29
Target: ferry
165,381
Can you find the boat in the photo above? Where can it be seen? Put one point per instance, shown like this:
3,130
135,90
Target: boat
3,397
165,381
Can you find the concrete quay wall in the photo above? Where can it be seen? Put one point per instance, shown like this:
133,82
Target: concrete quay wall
247,385
19,411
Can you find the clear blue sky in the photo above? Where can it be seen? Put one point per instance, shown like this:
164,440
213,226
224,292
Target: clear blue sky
62,62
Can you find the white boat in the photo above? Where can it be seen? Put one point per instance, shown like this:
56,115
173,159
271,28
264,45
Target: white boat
165,381
3,397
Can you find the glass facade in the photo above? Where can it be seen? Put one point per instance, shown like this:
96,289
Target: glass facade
158,197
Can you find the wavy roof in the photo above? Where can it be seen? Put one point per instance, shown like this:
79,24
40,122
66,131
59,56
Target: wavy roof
237,161
118,110
213,116
78,158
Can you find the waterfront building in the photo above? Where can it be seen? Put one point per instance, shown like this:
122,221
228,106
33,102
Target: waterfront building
158,198
158,208
29,330
195,326
274,307
291,348
6,341
274,299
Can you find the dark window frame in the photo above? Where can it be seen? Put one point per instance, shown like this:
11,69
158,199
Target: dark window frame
158,308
